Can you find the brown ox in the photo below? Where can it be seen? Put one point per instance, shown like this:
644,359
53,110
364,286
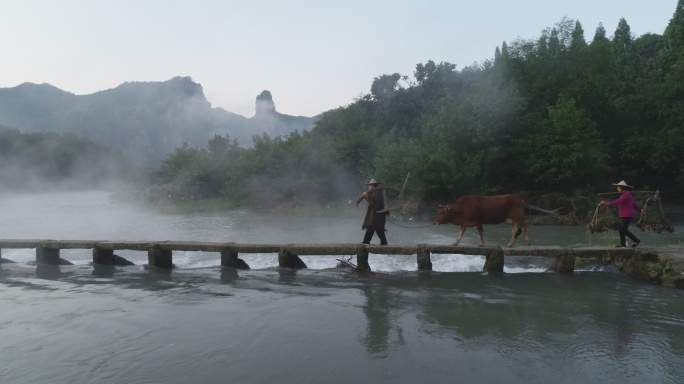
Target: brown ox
473,211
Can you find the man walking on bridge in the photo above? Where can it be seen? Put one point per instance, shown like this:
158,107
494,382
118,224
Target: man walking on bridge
374,222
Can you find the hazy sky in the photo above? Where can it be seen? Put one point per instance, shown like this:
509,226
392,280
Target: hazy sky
313,55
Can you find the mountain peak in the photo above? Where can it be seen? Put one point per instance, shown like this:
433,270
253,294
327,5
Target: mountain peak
187,86
182,86
264,104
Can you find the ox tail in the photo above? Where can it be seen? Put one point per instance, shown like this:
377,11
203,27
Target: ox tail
556,211
517,233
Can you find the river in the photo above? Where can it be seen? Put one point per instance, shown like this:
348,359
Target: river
206,324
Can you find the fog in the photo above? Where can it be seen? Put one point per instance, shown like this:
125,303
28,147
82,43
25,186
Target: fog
73,215
96,215
16,177
99,215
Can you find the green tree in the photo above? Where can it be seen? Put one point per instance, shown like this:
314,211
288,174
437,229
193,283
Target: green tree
565,150
544,115
384,87
674,34
50,160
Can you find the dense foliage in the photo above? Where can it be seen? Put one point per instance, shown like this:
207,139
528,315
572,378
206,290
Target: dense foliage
48,161
554,114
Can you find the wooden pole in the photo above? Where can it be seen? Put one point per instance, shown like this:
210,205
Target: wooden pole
403,187
616,193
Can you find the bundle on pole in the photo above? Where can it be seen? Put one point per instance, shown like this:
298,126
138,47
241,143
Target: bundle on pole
603,222
652,219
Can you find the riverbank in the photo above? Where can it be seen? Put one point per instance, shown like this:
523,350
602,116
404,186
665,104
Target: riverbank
658,265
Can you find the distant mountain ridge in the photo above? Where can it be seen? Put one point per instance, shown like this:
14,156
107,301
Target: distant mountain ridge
144,120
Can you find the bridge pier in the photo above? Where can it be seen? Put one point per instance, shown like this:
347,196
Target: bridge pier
494,260
48,256
289,260
229,258
103,256
362,259
161,258
423,259
565,262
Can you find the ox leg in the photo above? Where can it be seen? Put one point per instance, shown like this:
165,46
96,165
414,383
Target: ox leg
481,232
515,231
460,234
524,229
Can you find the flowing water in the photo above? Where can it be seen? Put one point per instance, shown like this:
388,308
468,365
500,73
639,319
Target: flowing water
206,324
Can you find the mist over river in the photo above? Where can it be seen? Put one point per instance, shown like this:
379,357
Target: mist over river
202,323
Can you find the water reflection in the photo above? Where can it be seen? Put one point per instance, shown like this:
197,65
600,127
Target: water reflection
50,272
467,313
207,323
103,271
601,324
287,276
377,311
229,275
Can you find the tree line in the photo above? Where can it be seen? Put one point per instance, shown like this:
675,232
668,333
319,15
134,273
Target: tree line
51,161
557,114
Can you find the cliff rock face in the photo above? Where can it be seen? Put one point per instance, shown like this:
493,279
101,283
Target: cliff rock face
264,105
269,121
144,120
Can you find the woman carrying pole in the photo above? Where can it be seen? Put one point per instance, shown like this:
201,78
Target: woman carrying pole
626,208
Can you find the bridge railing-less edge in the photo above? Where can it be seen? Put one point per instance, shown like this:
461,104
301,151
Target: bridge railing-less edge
160,253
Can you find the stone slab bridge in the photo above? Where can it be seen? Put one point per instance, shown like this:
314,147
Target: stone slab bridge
160,253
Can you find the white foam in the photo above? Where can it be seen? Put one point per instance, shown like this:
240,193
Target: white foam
378,262
457,263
